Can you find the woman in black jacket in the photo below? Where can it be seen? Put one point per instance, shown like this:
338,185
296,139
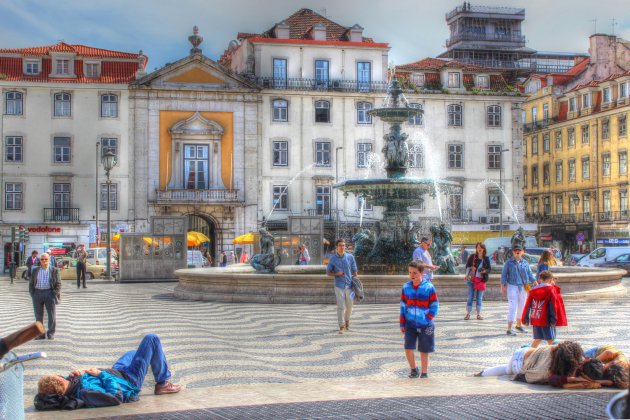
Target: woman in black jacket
477,270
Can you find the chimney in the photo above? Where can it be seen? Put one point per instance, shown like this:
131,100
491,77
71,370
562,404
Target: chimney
355,33
318,32
603,55
281,30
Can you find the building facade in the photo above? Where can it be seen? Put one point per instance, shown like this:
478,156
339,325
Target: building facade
62,107
576,139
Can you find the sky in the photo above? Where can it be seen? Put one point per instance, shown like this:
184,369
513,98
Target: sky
415,29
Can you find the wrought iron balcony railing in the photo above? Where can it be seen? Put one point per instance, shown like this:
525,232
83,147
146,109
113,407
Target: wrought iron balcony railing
491,36
328,216
213,196
539,125
322,85
602,217
64,214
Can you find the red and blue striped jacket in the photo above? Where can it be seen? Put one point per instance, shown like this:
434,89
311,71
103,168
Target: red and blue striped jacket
418,306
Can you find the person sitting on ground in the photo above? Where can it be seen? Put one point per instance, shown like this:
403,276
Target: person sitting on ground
106,387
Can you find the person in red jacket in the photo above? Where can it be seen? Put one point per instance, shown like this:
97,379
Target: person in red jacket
544,309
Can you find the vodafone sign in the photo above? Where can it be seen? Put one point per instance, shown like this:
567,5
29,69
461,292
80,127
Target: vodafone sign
44,229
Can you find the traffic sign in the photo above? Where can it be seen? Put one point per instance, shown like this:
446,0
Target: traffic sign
579,237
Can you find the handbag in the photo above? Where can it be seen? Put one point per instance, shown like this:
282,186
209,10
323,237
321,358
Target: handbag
527,286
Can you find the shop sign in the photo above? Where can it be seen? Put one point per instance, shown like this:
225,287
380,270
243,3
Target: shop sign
44,229
614,241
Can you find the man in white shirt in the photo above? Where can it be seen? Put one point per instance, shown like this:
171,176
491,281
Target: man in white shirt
422,254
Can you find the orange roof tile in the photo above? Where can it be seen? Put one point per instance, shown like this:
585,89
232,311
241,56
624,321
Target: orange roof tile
79,50
314,42
430,63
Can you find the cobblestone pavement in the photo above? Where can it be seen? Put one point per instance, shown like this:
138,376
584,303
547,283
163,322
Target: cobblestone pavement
216,344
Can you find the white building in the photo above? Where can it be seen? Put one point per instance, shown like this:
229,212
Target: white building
58,102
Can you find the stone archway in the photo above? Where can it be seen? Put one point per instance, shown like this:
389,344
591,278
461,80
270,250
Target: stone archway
204,224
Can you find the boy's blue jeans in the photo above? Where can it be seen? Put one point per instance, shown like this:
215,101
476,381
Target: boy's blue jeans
135,363
474,294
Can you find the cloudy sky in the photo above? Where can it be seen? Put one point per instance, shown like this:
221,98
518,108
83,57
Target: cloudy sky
414,28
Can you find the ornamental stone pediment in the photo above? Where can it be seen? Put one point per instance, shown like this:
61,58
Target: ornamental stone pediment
197,125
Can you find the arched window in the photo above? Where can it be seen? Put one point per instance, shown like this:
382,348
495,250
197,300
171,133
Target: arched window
13,103
415,119
280,110
362,113
322,111
454,115
63,105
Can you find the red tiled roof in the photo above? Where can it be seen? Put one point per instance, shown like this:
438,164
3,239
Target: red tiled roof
314,42
79,50
592,83
430,63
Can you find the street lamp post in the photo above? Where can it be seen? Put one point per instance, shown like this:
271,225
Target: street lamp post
501,191
337,191
98,146
109,161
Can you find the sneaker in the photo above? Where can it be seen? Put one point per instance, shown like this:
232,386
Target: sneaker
478,374
167,388
510,332
347,325
414,373
424,376
520,329
342,330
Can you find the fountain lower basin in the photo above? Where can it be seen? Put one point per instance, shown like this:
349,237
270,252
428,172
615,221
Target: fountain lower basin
309,285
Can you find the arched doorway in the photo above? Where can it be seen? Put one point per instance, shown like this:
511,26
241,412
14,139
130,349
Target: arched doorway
205,225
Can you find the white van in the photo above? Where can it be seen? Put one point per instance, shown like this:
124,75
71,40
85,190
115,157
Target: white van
603,254
99,256
195,259
492,244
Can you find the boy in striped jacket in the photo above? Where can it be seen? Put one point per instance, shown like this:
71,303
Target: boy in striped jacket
418,306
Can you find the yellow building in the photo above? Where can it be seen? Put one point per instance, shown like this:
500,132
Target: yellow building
576,153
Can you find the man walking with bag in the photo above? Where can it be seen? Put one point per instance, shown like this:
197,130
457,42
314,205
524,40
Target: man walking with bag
343,267
516,280
45,290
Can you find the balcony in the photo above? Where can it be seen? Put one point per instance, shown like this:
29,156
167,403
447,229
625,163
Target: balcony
214,196
539,125
490,37
560,219
318,212
322,85
66,214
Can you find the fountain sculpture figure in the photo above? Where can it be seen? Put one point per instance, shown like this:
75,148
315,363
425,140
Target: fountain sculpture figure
388,246
267,260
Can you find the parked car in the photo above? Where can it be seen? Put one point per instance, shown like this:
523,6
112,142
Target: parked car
68,270
603,254
539,250
574,259
622,262
531,258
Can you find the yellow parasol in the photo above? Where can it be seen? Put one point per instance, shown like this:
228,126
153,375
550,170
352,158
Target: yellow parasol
146,239
245,239
197,236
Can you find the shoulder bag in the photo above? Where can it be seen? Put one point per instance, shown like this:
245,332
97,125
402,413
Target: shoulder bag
526,285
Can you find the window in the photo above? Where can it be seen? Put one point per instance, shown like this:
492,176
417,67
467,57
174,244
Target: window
586,204
362,113
418,79
546,175
623,90
322,200
280,197
622,126
623,162
572,104
31,67
606,164
483,82
534,116
455,156
535,175
13,149
453,79
585,134
525,147
494,156
13,198
321,74
62,149
535,206
623,202
454,115
571,137
559,172
279,73
109,143
364,76
606,129
113,196
535,145
525,176
13,103
61,201
455,206
606,202
586,100
558,137
62,66
109,106
546,205
546,145
364,204
322,111
571,169
196,163
545,112
607,95
363,154
586,169
415,119
559,204
494,198
494,116
92,70
280,153
573,204
416,156
280,110
62,105
322,153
